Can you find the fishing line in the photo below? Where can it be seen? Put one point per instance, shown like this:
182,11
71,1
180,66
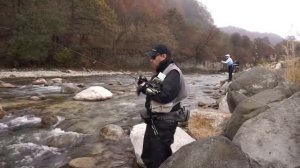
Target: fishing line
94,60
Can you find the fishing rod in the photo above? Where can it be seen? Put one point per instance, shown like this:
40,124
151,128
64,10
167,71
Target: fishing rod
94,60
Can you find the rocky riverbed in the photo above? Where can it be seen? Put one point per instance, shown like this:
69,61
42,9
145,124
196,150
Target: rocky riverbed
43,126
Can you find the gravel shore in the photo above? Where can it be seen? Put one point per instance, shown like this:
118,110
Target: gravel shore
57,73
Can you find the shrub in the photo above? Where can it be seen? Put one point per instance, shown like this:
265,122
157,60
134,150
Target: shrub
292,71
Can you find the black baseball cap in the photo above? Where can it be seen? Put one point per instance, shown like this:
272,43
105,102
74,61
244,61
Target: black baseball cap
159,49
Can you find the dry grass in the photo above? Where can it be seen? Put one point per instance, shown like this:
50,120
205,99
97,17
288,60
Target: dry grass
200,127
292,71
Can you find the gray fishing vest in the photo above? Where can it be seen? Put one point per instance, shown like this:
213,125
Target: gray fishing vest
165,108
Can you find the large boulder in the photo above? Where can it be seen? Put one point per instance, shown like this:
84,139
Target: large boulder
181,138
208,153
94,93
248,102
272,138
251,82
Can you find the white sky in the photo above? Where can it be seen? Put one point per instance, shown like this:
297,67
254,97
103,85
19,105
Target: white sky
281,17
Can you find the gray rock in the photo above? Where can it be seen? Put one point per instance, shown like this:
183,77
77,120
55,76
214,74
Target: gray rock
49,119
2,112
208,153
69,88
112,132
252,93
272,138
256,104
234,98
255,80
56,80
40,81
83,162
204,101
6,85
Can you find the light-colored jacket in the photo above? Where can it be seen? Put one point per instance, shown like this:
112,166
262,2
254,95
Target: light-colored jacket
229,62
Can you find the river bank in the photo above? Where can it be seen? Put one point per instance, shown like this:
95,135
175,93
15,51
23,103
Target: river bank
56,73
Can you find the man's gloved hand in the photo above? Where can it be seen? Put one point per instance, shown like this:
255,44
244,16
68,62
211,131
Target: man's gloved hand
151,91
140,88
141,79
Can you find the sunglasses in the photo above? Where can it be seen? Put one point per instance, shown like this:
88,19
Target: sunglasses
154,56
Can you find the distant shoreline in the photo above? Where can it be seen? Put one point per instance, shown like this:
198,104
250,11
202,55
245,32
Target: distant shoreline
55,73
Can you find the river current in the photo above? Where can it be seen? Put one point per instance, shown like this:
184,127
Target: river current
26,143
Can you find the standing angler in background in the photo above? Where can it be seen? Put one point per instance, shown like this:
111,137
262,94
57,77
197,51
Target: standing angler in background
164,92
229,63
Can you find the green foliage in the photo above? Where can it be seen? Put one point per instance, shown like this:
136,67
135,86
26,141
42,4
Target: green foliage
64,56
27,48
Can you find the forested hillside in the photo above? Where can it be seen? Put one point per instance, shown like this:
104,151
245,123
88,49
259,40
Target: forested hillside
75,33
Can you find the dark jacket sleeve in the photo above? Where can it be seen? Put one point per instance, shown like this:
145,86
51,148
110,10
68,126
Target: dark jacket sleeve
170,88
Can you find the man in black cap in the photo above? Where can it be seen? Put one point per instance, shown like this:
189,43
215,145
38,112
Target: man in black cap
164,92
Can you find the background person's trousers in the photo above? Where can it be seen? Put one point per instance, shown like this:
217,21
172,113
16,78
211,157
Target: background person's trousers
156,149
230,71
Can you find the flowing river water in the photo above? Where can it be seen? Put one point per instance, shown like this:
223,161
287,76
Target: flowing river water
26,143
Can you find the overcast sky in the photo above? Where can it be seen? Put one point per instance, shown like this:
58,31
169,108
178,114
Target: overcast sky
281,17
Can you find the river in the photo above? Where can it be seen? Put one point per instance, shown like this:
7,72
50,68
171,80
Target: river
26,143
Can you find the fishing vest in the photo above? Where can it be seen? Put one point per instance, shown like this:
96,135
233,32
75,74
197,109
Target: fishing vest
157,107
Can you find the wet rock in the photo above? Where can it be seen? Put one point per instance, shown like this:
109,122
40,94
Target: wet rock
94,93
206,123
69,88
98,148
38,97
35,98
12,76
224,88
24,121
204,101
208,153
6,85
223,106
49,120
181,138
56,80
2,112
61,139
40,81
83,162
112,132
